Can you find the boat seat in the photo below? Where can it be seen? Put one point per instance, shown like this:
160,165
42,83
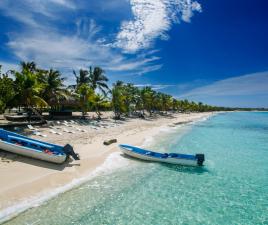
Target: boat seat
29,141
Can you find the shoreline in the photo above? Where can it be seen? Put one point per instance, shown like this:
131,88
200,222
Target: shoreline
28,182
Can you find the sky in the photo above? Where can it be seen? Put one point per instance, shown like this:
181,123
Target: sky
214,51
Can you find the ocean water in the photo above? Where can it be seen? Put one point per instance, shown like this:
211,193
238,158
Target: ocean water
232,187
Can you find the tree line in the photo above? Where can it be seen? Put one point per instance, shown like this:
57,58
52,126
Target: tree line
44,90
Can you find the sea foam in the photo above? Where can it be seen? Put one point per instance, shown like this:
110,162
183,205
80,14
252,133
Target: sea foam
112,163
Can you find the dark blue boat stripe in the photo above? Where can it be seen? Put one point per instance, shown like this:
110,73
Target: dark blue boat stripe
158,155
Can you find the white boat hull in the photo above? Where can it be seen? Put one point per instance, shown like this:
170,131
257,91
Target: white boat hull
185,162
20,150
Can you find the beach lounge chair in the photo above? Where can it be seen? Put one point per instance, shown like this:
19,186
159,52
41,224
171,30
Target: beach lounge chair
17,128
65,123
81,130
39,134
32,128
68,131
55,132
73,122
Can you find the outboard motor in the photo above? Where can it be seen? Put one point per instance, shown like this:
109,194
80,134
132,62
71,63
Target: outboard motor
200,159
69,151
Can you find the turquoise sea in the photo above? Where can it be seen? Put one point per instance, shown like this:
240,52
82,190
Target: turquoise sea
232,187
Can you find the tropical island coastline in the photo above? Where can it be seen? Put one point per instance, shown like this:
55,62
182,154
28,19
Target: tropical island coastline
27,180
133,112
46,109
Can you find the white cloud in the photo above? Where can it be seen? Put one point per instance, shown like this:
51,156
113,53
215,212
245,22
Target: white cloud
40,39
29,12
152,19
87,28
133,64
52,49
65,3
249,84
149,68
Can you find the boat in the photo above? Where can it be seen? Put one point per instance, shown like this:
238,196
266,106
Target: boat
21,145
173,158
20,117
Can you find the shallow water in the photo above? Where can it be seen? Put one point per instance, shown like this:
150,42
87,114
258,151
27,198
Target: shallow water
232,187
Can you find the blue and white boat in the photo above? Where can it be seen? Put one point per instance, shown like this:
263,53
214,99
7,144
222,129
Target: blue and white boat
173,158
19,144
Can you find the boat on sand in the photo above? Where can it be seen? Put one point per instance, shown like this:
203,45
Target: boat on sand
173,158
19,144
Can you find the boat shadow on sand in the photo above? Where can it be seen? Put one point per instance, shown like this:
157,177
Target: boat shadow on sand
8,157
177,168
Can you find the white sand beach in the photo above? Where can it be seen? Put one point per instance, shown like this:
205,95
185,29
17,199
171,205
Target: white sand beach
24,178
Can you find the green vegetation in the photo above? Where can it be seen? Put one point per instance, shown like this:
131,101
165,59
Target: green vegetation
128,99
37,90
7,91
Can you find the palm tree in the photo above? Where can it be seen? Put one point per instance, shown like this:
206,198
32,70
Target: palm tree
185,105
175,104
119,83
99,102
82,77
132,98
97,79
30,66
35,87
166,102
7,91
147,96
54,90
28,89
201,107
86,97
118,99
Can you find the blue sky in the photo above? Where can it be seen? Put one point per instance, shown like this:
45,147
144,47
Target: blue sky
207,50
